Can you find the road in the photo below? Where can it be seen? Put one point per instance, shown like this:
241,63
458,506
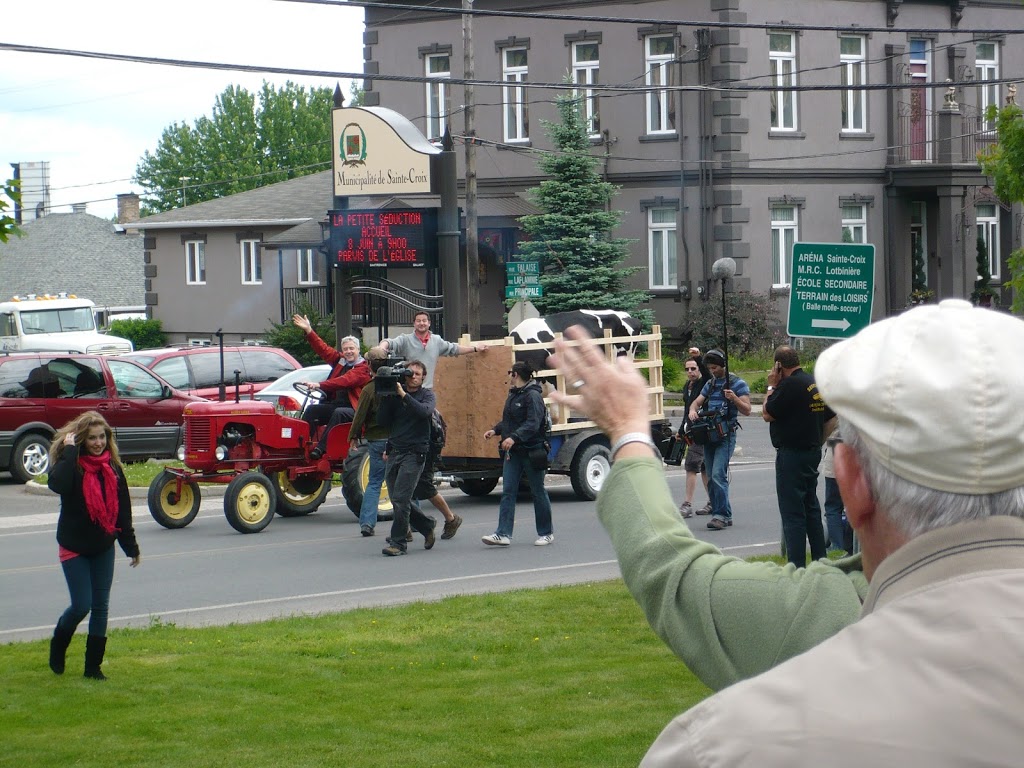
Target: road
209,574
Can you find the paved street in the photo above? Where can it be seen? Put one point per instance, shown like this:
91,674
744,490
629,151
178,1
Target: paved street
209,574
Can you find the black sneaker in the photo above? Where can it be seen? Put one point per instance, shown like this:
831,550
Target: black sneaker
315,454
428,540
366,530
451,526
392,551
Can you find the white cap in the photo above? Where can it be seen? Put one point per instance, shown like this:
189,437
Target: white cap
936,394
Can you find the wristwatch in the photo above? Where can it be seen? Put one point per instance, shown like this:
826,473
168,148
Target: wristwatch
769,389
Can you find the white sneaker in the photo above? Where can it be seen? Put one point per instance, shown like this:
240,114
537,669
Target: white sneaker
543,541
496,540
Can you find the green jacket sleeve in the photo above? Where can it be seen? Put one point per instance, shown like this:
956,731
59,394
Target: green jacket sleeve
727,619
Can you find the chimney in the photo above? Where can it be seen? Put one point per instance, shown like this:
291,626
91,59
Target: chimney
127,208
78,207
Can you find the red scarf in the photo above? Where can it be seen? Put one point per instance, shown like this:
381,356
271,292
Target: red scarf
102,507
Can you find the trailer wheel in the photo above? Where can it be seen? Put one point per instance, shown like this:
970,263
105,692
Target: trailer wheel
589,470
169,506
355,477
249,502
299,496
478,487
30,457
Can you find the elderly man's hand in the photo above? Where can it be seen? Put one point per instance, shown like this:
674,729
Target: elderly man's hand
613,395
302,322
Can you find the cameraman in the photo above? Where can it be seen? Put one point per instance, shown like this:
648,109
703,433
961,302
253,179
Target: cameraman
407,414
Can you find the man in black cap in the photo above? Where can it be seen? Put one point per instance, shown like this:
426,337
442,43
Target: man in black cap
725,401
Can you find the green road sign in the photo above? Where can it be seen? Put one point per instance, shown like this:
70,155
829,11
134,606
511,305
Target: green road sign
832,289
523,291
522,268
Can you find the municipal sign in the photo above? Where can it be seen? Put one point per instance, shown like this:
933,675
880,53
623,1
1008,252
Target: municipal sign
523,291
832,288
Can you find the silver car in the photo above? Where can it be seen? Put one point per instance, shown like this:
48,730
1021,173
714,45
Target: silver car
286,399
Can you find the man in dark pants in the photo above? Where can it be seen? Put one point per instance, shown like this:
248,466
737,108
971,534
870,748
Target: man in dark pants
696,377
407,414
796,416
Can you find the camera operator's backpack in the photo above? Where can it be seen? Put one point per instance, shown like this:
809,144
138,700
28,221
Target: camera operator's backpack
438,432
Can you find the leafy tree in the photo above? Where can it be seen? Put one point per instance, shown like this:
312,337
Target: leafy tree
249,141
291,339
144,334
752,323
1004,162
571,237
8,226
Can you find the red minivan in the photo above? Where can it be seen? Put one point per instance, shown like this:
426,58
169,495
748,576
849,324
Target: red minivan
41,392
196,370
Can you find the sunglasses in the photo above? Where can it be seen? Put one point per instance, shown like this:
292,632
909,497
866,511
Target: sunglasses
691,369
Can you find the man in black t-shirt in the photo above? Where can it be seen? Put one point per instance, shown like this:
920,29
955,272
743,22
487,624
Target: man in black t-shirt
796,415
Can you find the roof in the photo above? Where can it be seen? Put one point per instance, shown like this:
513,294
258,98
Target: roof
78,253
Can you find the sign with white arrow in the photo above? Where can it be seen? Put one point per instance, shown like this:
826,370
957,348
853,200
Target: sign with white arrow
832,289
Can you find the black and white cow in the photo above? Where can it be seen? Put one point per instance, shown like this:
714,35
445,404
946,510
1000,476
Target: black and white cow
539,330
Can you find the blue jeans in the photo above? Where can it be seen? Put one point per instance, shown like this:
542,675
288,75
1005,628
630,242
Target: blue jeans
371,494
835,518
517,462
796,485
716,460
89,578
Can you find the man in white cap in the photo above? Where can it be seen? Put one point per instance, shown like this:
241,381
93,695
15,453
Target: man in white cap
932,473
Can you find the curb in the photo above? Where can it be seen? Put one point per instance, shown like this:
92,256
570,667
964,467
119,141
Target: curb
135,492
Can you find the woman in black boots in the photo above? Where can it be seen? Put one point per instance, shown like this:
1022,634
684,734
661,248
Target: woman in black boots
95,509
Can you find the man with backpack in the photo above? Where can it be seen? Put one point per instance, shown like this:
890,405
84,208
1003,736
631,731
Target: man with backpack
724,401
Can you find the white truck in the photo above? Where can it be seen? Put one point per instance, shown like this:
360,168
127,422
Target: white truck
58,323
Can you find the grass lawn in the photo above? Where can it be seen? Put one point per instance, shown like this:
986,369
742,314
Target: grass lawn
565,676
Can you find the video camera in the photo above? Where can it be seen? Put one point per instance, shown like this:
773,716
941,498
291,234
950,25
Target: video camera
389,375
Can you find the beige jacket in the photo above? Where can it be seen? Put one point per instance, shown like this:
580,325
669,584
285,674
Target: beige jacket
932,675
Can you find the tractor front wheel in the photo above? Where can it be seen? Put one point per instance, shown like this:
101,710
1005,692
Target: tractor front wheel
170,505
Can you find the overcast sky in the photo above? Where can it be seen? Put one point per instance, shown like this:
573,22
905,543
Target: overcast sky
93,120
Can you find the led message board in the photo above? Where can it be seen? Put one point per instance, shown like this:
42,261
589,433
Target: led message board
394,237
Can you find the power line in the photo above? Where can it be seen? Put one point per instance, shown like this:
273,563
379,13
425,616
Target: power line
782,25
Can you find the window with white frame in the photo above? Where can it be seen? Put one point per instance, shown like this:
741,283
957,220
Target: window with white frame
308,267
659,54
514,70
782,67
784,231
854,73
986,70
195,262
585,72
252,265
438,70
661,238
987,217
855,224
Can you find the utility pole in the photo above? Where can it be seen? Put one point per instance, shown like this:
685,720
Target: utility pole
184,180
472,245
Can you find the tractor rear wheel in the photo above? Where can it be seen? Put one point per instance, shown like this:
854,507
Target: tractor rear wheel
300,496
249,502
355,477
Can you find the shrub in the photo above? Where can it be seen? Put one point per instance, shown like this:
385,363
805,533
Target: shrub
144,334
751,319
291,339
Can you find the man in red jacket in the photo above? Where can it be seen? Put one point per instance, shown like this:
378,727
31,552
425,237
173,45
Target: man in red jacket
350,373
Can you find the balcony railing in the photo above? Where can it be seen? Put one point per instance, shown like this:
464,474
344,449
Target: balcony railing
916,134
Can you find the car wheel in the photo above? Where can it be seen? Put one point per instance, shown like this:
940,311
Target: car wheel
478,487
355,477
249,502
171,506
589,470
300,496
31,457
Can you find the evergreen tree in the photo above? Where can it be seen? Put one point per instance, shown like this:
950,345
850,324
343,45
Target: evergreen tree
571,238
919,280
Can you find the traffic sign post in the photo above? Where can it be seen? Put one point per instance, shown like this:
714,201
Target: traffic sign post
523,280
832,289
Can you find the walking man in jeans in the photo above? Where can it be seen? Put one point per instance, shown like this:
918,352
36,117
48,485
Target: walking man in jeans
729,399
796,416
407,414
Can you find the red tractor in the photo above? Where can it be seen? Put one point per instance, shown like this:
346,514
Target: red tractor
262,456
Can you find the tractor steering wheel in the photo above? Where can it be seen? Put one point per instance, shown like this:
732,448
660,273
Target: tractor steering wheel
316,394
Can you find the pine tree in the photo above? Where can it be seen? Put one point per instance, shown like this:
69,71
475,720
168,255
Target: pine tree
571,238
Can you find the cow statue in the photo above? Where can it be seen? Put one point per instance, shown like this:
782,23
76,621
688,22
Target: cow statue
539,330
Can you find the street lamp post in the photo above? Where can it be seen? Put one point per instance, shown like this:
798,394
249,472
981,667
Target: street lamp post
723,270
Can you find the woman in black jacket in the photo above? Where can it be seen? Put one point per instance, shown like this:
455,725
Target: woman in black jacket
522,433
95,510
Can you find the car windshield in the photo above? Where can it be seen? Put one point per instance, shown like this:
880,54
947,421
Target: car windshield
283,385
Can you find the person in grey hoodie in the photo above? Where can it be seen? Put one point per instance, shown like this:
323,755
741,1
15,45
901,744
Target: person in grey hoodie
522,434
